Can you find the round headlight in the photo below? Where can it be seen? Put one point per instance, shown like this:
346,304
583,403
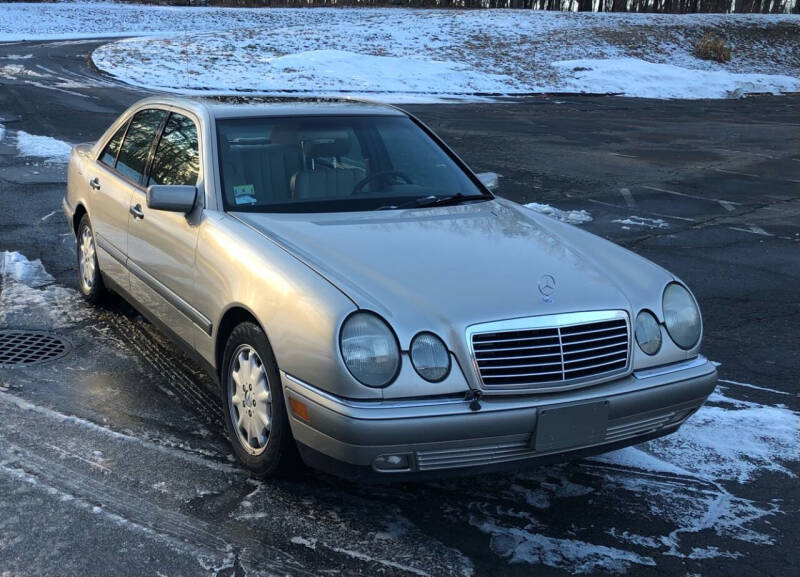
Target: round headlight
648,333
430,357
681,316
369,349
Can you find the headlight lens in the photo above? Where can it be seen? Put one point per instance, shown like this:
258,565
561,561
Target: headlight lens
369,349
430,357
681,316
648,333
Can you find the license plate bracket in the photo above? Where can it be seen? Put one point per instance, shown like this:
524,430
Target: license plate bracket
570,426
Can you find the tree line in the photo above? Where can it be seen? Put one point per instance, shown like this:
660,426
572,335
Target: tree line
640,6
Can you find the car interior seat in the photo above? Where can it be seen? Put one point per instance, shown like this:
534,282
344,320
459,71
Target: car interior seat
323,176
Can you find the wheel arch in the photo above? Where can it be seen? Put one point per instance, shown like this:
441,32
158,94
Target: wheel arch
80,211
231,318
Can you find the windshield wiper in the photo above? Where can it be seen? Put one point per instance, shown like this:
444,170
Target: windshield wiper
432,200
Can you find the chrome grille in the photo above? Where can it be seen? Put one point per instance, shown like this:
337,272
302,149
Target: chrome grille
574,348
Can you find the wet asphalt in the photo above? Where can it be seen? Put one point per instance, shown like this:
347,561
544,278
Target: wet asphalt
113,461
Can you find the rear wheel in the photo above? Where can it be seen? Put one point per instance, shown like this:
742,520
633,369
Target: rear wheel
255,410
90,281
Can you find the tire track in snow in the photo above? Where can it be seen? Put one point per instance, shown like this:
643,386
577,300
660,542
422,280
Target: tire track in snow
165,447
183,532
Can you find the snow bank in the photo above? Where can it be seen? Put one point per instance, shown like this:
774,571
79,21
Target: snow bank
315,71
635,77
47,147
404,54
30,297
15,267
568,216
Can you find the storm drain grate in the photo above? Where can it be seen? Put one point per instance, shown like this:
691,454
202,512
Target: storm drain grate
25,348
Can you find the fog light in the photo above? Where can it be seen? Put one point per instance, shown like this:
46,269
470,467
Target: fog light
391,463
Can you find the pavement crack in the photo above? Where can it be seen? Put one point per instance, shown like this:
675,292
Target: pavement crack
706,222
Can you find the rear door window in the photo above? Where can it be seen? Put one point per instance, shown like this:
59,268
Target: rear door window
177,157
132,158
109,155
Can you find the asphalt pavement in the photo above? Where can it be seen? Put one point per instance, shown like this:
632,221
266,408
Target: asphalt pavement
113,460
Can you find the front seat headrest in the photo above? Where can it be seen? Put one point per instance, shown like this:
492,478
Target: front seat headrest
327,144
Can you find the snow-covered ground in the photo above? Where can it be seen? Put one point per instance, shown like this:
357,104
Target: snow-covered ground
686,481
404,54
46,147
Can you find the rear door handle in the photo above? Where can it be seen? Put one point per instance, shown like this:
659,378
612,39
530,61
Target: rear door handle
136,211
95,183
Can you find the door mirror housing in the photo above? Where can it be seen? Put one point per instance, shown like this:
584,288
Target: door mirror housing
490,180
171,197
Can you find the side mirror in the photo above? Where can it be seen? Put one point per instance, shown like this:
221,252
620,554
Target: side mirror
490,180
171,197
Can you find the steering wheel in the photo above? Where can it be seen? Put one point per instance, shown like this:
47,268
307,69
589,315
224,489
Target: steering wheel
383,174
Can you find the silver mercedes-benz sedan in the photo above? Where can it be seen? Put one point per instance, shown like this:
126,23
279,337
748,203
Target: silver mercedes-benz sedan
365,302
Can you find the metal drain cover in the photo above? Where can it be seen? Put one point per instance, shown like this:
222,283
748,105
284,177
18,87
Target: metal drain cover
19,348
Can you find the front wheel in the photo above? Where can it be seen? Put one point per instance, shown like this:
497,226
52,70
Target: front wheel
89,279
255,410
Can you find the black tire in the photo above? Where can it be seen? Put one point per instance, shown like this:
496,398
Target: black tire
92,288
280,456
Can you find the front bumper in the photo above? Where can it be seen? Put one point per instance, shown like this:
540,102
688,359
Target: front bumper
443,436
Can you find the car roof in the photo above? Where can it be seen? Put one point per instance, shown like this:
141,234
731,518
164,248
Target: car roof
249,106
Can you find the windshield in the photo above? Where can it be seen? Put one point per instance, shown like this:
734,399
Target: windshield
334,164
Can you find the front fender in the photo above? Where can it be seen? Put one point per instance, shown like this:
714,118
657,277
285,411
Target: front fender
299,310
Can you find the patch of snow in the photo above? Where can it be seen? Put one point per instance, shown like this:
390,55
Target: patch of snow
719,443
636,458
17,56
690,506
712,553
217,565
2,132
15,267
735,444
47,147
578,557
28,295
636,77
643,222
641,540
568,216
310,543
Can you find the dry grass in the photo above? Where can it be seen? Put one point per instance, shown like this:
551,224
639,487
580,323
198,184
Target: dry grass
713,47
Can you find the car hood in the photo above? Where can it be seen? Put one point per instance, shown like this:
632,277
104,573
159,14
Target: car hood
445,268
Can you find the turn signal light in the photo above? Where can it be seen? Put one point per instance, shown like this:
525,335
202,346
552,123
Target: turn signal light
299,409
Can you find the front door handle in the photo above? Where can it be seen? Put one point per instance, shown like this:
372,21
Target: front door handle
95,183
136,211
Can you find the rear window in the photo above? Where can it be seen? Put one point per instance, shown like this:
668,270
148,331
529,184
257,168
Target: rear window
132,158
109,154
